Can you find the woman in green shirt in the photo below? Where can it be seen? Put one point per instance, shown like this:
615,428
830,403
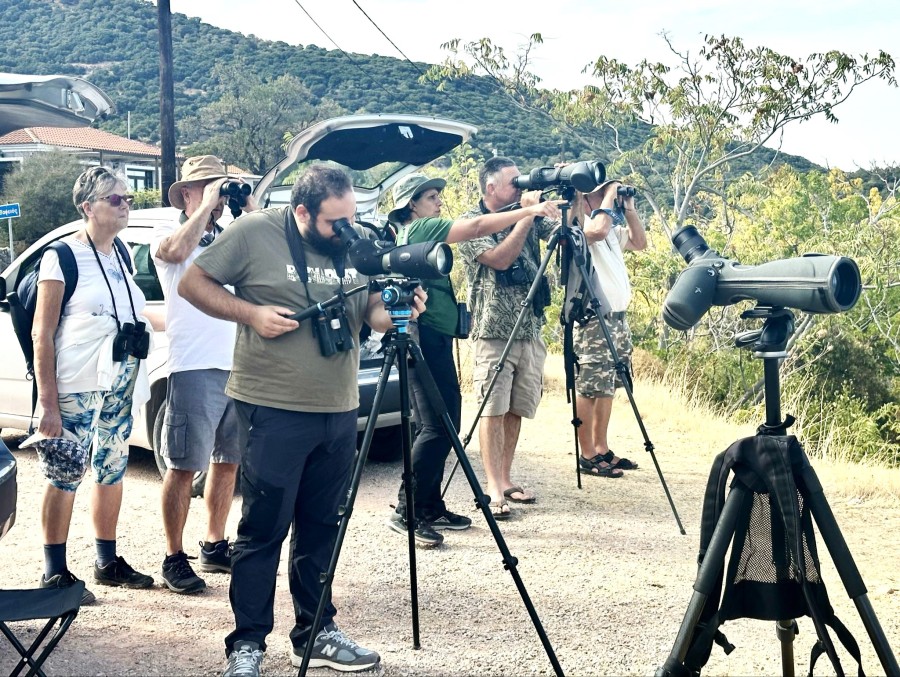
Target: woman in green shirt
417,214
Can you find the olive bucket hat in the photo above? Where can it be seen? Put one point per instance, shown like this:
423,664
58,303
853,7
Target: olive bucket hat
407,188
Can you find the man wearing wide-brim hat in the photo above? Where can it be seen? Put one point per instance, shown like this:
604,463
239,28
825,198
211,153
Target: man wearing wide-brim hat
611,226
200,425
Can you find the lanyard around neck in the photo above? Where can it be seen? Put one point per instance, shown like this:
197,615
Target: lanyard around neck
106,279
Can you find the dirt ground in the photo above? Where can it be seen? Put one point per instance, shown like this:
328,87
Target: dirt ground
605,567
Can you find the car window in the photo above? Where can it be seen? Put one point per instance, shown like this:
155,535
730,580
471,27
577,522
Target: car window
145,272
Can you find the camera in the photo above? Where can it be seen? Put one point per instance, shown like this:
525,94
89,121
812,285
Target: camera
236,195
427,260
131,339
513,276
583,176
333,331
813,283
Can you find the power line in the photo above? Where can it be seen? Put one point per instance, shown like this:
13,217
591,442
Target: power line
338,47
413,64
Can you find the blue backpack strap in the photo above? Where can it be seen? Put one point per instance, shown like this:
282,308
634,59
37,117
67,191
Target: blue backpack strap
69,268
125,254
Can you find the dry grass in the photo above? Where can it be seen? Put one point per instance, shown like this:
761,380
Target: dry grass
679,413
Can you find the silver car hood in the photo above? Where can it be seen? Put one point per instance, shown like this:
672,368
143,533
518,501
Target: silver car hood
377,150
49,101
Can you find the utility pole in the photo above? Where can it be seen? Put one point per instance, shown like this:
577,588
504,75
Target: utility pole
166,99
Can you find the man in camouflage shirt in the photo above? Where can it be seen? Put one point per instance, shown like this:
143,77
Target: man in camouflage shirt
500,269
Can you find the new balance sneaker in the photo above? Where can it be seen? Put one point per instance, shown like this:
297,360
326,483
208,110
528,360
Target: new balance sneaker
333,649
244,660
64,580
424,534
449,520
217,558
120,573
178,575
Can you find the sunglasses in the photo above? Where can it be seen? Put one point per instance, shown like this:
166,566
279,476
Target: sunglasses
116,200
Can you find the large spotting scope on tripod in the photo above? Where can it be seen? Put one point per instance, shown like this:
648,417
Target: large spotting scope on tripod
813,283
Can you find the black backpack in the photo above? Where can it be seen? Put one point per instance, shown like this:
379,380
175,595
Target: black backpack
773,572
23,298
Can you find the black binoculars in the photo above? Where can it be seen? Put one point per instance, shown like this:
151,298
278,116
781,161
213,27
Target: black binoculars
131,339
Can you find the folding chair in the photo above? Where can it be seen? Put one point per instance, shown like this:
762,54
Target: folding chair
55,604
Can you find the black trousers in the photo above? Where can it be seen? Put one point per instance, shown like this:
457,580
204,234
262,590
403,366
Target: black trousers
430,450
294,474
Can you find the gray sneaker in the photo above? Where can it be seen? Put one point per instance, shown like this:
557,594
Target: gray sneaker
64,580
244,660
332,649
423,535
179,576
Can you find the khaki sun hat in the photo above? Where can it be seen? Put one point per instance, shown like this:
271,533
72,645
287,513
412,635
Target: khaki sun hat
407,188
200,168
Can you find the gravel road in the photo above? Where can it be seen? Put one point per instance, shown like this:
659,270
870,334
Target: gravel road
605,566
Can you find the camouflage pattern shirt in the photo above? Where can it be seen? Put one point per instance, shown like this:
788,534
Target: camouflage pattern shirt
496,308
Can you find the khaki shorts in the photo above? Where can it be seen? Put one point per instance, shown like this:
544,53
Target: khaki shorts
519,385
597,371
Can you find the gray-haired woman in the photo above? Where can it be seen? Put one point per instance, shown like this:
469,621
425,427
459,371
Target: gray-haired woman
89,376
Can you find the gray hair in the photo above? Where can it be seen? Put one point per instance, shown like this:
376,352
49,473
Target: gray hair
491,170
93,183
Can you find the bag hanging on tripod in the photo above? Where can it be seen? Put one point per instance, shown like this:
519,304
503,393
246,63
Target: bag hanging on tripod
773,572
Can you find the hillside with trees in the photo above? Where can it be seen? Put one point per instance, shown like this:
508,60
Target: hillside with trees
115,46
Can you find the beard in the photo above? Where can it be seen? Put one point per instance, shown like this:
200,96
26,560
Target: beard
329,246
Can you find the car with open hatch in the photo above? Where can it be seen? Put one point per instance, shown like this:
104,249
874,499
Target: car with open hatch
376,150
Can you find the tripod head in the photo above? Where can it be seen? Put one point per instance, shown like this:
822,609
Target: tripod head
770,345
398,295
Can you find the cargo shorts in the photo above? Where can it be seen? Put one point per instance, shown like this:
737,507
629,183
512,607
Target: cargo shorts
597,370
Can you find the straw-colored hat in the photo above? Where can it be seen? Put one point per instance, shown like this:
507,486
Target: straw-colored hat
200,168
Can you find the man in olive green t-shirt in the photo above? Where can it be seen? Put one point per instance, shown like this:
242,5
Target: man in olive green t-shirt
300,407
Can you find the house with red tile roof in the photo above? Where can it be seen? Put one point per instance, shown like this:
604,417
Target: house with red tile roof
140,162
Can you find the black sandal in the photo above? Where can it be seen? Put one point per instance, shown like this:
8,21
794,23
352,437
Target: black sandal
593,467
622,463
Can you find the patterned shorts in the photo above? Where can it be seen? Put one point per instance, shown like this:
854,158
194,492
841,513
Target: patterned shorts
100,421
597,370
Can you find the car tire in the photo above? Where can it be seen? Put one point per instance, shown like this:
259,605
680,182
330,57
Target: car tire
199,483
386,445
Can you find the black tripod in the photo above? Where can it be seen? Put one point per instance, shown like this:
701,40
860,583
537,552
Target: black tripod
584,300
400,348
688,654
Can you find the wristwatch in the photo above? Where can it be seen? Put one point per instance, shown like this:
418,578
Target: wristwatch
604,210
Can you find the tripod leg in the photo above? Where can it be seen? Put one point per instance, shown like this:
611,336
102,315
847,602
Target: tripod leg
846,568
509,562
705,583
327,577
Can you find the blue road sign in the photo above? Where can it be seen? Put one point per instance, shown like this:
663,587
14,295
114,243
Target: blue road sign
10,211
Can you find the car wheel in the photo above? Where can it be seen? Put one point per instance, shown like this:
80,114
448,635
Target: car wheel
386,445
199,483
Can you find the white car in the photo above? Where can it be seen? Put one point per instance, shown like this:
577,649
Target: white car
377,150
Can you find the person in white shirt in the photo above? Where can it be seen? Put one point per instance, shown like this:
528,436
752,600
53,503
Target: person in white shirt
89,379
610,225
201,428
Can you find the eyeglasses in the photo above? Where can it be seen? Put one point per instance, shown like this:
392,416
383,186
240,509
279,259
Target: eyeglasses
116,200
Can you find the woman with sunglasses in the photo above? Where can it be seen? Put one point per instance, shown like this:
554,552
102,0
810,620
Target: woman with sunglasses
89,376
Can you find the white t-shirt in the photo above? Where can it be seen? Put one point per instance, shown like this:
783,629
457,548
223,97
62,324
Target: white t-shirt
196,340
609,262
91,295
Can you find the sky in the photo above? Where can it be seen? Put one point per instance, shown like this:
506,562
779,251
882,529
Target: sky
576,32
